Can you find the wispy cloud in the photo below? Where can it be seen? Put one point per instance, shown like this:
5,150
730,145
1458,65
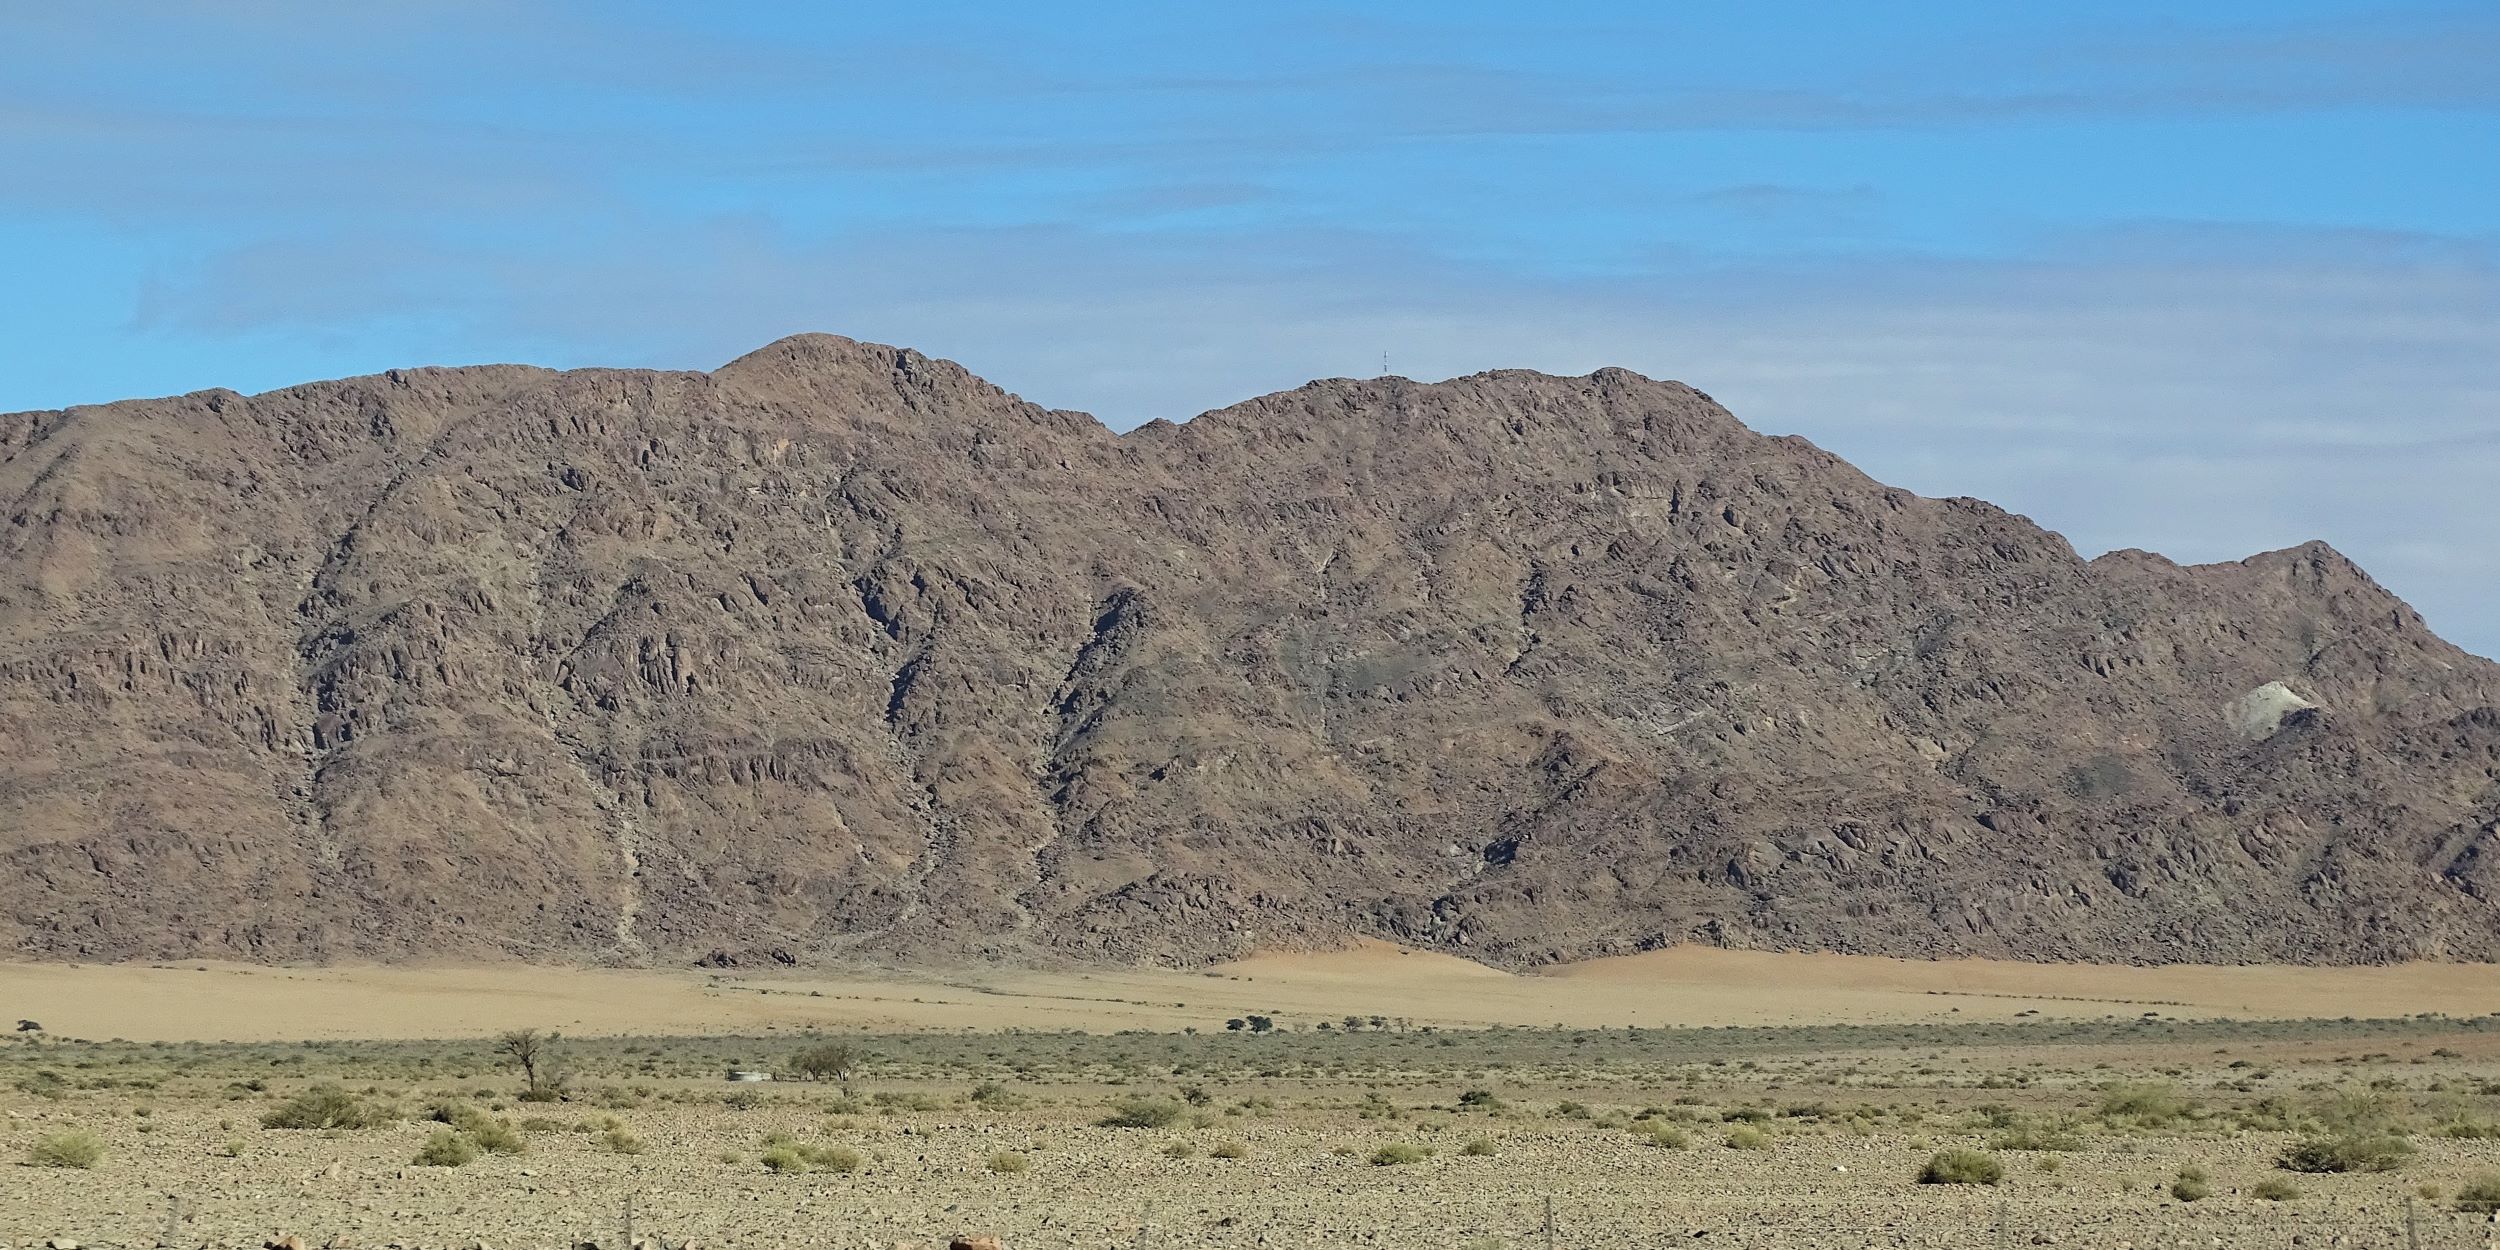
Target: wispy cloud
2180,388
2008,252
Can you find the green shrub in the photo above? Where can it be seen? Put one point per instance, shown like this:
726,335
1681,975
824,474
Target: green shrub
2480,1195
621,1140
447,1148
496,1137
2190,1189
1143,1113
2275,1189
995,1096
1180,1150
784,1159
1666,1136
1008,1163
1747,1137
45,1084
1961,1167
1478,1148
76,1148
325,1107
1228,1150
2361,1113
1398,1152
2152,1104
2347,1152
2032,1137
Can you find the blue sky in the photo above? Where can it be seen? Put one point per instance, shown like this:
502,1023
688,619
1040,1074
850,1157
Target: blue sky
2206,279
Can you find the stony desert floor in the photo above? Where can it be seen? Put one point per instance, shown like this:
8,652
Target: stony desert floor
1795,1103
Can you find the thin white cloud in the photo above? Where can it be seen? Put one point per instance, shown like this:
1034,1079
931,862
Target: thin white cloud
2156,387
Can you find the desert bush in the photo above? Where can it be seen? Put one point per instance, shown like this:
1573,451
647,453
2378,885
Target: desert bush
2480,1195
2034,1137
1142,1113
783,1159
325,1107
1007,1163
1180,1150
1228,1150
2192,1185
447,1148
496,1137
75,1148
2361,1113
45,1084
1398,1152
2275,1189
1477,1148
1961,1167
621,1140
1664,1136
995,1096
2346,1152
2147,1104
1747,1137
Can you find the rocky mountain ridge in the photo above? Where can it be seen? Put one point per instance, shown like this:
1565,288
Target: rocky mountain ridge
839,651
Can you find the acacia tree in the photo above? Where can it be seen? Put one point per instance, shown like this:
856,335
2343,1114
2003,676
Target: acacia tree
838,1060
536,1053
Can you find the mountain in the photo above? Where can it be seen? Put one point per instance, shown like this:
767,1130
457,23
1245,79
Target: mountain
839,650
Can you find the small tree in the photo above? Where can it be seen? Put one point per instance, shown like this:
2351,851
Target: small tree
1261,1024
535,1052
1236,1024
838,1060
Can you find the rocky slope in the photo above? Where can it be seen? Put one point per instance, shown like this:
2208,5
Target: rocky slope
840,650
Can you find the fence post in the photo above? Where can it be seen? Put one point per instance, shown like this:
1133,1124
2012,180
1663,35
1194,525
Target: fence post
1549,1222
629,1220
173,1220
2413,1225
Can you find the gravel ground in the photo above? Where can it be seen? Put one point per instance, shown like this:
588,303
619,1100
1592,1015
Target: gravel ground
926,1177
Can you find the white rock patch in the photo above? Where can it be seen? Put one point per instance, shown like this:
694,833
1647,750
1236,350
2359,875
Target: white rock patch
2257,714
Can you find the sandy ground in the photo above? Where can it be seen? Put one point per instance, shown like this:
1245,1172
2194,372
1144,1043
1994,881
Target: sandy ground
1684,986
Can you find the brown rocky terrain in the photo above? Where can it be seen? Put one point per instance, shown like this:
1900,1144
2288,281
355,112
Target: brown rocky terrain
839,650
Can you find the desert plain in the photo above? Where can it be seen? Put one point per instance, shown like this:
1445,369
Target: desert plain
1365,1097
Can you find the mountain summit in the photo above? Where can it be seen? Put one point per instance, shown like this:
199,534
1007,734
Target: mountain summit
839,649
